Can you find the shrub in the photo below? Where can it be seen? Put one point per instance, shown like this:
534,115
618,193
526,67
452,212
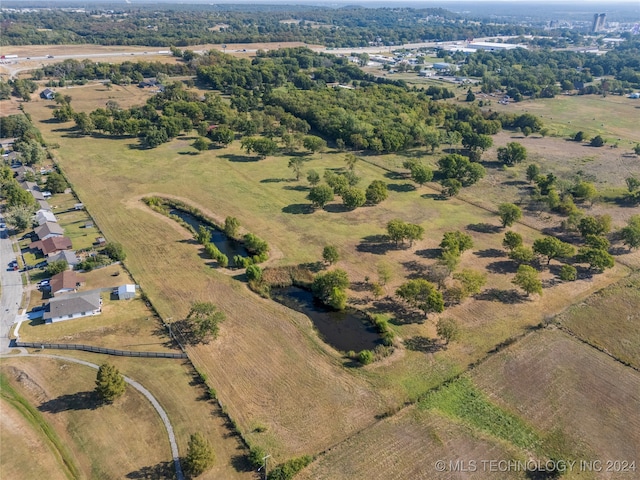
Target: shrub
365,357
568,273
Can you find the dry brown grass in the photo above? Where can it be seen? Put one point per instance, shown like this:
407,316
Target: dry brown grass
587,401
407,446
99,437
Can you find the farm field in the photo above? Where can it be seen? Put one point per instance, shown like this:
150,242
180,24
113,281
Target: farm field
96,440
587,400
265,351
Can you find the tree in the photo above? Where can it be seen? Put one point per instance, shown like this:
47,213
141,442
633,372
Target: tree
56,183
115,251
585,191
203,236
596,241
450,187
527,279
597,141
448,329
471,281
254,273
262,146
509,213
456,242
330,254
313,177
231,226
56,267
470,95
400,231
314,144
551,248
19,216
200,455
376,192
597,258
353,198
296,165
568,273
636,149
205,319
511,154
598,225
630,234
421,294
84,123
351,161
330,288
512,240
421,174
533,171
110,383
320,195
384,273
221,135
201,144
579,136
522,254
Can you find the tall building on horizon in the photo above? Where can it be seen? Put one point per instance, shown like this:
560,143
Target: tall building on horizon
598,22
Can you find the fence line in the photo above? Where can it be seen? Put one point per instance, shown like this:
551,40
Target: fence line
107,351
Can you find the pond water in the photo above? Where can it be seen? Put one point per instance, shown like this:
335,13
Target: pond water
344,330
226,245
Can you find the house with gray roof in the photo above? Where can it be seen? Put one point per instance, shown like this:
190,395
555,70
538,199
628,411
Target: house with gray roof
44,216
68,256
48,230
74,305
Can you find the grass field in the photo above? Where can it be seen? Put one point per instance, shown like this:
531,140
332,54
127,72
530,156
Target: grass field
268,365
610,320
98,438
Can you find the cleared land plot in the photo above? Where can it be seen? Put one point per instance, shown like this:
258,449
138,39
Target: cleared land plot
98,437
588,401
610,320
408,445
266,341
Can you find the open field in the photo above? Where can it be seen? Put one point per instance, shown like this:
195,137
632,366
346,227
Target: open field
610,320
587,401
98,438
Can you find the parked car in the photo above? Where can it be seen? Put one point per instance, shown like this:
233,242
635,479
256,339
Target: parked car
3,225
41,265
43,283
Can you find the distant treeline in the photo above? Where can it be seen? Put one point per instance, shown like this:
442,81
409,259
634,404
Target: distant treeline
165,25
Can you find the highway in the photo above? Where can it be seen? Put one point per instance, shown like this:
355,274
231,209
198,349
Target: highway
11,295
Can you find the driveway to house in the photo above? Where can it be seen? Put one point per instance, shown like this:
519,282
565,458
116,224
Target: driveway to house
11,289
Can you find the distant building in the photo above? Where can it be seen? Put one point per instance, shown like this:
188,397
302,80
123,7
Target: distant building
494,47
444,67
598,22
48,94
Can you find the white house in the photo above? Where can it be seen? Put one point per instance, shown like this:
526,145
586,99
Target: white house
75,305
44,216
48,230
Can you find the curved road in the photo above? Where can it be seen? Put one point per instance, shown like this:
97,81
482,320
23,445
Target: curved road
141,389
11,289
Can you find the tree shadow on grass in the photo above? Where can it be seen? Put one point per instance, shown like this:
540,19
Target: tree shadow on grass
74,401
191,154
429,253
503,267
239,158
401,187
297,188
185,332
401,314
160,471
416,269
376,244
515,183
423,344
511,296
241,463
395,176
298,209
275,180
483,228
489,253
434,196
337,208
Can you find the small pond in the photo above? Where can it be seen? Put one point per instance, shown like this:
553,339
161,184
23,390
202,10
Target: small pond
344,330
226,245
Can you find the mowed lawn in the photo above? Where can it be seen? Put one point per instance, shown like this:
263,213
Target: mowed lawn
268,355
97,438
587,401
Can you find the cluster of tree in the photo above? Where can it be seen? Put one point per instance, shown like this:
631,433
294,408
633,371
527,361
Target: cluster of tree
20,204
203,321
19,87
399,232
234,23
330,288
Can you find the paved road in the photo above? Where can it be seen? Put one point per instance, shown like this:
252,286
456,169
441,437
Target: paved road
142,390
11,289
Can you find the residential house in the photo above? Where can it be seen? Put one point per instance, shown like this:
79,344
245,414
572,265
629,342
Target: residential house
64,282
68,256
44,216
44,205
74,305
22,171
51,245
48,94
48,230
100,242
126,292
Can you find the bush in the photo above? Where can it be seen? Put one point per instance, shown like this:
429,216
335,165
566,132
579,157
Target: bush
568,273
115,251
365,357
287,470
